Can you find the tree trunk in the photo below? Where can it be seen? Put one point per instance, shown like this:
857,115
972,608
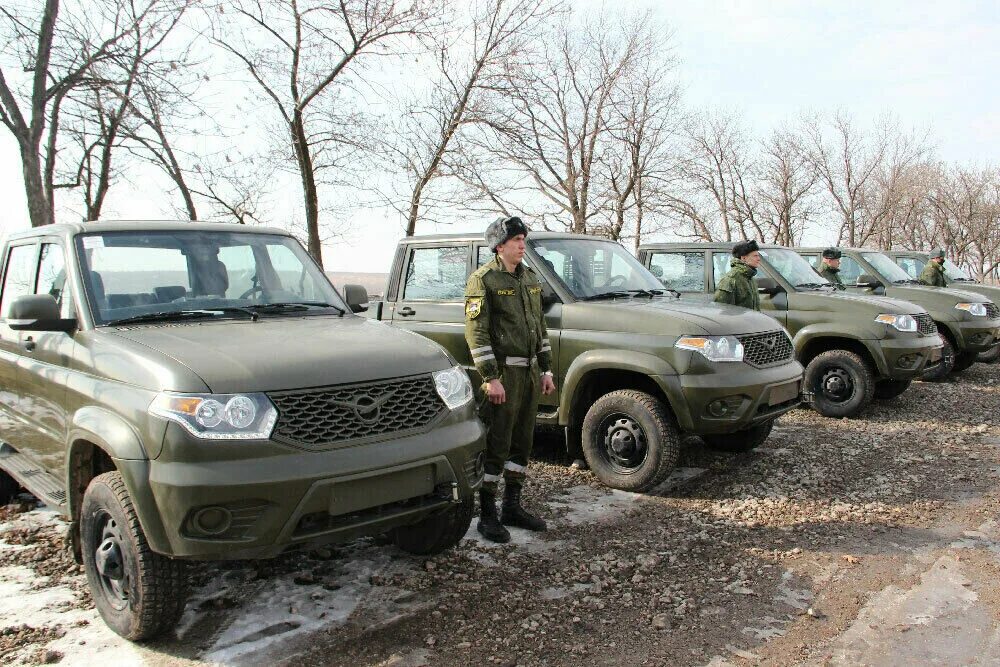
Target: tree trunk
309,192
39,205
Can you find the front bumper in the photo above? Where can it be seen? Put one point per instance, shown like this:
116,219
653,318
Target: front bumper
259,506
976,337
751,396
905,358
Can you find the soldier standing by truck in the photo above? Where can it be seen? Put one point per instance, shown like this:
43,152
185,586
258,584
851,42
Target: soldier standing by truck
738,287
831,267
933,273
505,331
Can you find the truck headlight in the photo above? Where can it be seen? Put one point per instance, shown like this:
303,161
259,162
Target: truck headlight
977,309
453,387
713,348
898,322
218,416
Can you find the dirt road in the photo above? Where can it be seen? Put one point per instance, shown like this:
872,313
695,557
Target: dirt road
869,541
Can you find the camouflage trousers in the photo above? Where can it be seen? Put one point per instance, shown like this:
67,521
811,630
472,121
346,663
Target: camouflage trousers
511,426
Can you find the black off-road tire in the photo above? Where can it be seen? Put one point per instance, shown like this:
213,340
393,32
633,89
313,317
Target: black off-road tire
741,441
964,361
438,532
849,369
9,488
990,357
154,587
887,389
943,369
636,420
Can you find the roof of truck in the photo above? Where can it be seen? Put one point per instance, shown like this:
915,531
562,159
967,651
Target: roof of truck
73,228
478,236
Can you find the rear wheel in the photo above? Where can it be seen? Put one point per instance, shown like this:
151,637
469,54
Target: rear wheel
841,382
741,441
943,369
990,357
139,594
963,361
629,440
438,532
887,389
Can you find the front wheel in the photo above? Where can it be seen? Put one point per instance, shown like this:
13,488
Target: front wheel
139,594
841,382
629,440
438,532
887,389
943,369
741,441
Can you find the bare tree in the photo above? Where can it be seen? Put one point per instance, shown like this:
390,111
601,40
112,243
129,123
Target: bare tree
785,182
298,51
60,52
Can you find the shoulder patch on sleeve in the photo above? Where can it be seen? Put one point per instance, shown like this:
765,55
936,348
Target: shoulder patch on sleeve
473,306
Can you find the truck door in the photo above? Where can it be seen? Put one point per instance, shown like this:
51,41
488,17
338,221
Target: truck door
431,298
18,280
682,270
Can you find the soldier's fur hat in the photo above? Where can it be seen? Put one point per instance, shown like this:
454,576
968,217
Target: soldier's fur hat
832,253
502,230
939,253
744,248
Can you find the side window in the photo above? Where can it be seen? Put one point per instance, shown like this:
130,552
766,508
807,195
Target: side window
436,274
911,265
720,265
850,270
682,271
19,278
483,255
52,277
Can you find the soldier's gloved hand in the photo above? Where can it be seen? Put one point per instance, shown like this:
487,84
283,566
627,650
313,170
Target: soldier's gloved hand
548,385
495,392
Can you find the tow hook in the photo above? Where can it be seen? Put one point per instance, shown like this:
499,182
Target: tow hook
808,397
448,492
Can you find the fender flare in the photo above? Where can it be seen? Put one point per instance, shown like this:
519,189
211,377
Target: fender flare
608,359
807,334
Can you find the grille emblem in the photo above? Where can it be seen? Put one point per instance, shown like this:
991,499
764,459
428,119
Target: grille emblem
769,343
366,408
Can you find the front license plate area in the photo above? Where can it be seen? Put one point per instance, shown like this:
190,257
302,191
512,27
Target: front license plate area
784,393
359,494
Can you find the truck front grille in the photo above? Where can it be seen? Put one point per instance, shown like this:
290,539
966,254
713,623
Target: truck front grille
925,324
766,349
992,311
327,416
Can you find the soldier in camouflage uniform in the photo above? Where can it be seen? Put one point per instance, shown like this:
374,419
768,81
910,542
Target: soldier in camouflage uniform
831,267
933,273
505,330
738,286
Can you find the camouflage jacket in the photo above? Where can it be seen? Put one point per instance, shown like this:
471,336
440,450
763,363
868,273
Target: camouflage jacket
503,318
833,275
933,275
738,286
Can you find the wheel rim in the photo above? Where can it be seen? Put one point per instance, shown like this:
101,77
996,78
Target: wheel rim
837,385
625,446
112,566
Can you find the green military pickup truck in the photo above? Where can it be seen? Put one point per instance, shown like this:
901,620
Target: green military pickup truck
969,323
913,262
200,391
635,367
854,348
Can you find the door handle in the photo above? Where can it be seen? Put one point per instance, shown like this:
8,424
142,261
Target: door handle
407,311
29,344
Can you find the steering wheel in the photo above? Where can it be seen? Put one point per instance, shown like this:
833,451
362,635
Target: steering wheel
616,281
254,289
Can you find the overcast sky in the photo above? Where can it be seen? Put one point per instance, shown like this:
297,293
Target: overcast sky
934,65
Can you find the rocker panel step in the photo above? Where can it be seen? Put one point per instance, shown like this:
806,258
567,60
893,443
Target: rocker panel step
41,484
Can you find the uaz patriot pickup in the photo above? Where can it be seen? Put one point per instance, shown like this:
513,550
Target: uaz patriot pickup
635,367
201,391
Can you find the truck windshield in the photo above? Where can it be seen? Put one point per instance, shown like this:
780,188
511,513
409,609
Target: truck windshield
957,273
886,267
145,275
591,268
793,268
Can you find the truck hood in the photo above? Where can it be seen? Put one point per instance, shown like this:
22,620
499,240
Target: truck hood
991,292
859,302
918,293
275,354
664,316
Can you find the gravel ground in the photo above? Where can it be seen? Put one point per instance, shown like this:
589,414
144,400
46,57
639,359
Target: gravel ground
778,556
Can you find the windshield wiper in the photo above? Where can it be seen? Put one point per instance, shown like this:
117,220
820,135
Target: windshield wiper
605,295
168,315
907,281
813,285
286,306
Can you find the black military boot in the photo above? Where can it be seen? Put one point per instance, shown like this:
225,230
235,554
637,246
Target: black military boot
489,525
513,514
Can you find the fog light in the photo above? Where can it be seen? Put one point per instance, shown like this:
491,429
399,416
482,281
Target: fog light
908,361
212,520
718,408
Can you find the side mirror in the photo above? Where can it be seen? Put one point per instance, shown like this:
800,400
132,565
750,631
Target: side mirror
38,312
869,281
768,286
356,297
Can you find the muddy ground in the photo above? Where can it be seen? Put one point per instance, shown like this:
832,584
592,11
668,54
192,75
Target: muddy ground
867,541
